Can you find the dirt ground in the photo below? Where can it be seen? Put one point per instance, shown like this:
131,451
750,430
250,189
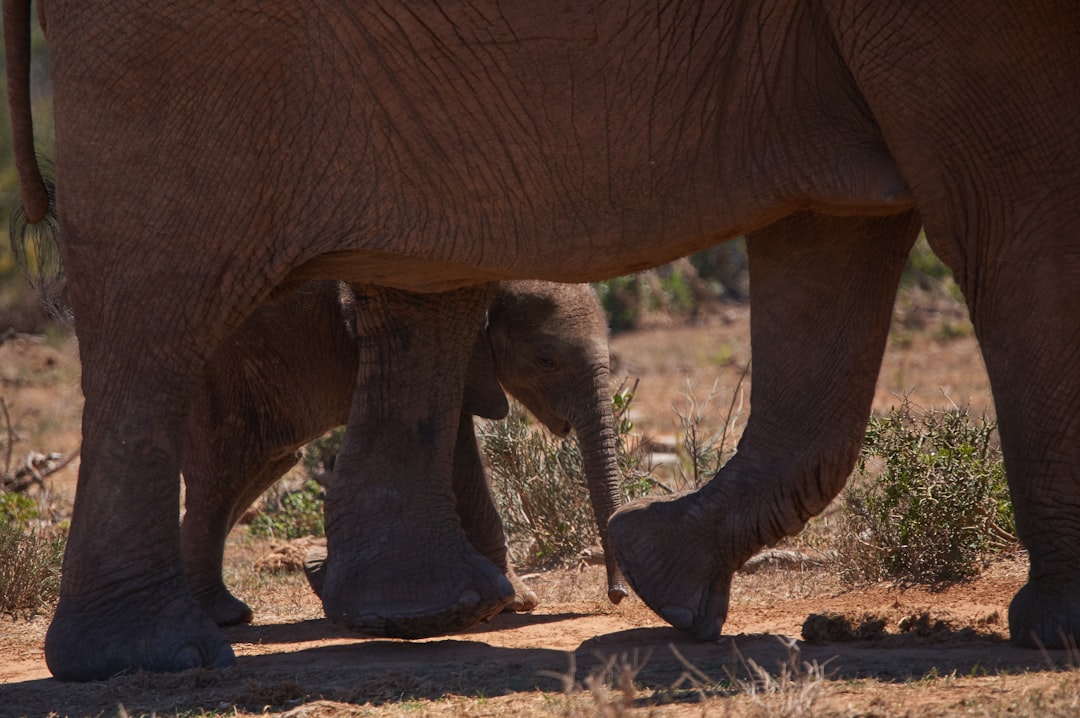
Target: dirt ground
797,642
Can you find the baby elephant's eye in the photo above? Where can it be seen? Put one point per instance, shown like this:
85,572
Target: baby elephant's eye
547,363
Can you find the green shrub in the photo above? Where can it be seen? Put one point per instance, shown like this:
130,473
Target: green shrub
923,267
928,502
678,297
538,483
320,455
17,509
30,559
291,514
630,454
621,299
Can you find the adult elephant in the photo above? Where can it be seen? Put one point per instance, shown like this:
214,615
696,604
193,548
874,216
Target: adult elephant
221,152
289,374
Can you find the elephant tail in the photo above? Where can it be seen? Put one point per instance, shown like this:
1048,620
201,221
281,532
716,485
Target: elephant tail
34,227
35,195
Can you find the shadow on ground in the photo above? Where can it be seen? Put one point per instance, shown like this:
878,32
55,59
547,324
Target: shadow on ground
370,671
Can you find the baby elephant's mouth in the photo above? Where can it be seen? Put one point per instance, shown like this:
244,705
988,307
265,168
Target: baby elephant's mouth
559,427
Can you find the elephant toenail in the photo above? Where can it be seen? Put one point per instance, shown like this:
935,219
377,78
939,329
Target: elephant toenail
468,599
678,616
188,657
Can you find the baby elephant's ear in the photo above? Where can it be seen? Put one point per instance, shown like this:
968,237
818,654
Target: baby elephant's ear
483,395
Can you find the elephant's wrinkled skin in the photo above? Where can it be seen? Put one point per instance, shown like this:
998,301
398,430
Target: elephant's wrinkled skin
206,156
288,375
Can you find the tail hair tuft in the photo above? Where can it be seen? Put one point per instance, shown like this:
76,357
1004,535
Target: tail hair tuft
36,248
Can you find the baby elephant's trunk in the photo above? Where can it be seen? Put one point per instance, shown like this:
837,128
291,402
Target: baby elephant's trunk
598,438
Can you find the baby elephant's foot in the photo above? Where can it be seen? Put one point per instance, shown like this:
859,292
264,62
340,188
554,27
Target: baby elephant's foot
669,553
160,629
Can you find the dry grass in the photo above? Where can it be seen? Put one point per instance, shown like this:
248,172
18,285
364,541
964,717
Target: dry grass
271,594
539,486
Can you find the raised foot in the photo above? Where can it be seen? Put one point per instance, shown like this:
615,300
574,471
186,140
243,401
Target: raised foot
415,597
1046,614
158,631
669,553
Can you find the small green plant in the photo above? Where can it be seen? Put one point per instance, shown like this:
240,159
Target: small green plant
291,514
288,513
17,509
949,330
929,501
539,484
30,558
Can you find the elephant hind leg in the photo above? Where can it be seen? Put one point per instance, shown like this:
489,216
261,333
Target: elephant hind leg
1025,311
124,604
817,344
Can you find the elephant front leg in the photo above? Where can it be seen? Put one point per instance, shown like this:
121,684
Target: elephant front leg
399,563
822,291
124,604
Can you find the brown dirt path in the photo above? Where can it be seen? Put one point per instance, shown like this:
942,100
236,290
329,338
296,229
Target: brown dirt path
296,661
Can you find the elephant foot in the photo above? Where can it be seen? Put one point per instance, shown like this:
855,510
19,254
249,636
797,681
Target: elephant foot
225,608
1045,613
525,599
668,551
430,593
159,630
315,568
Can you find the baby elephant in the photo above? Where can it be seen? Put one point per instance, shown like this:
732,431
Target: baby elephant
288,375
